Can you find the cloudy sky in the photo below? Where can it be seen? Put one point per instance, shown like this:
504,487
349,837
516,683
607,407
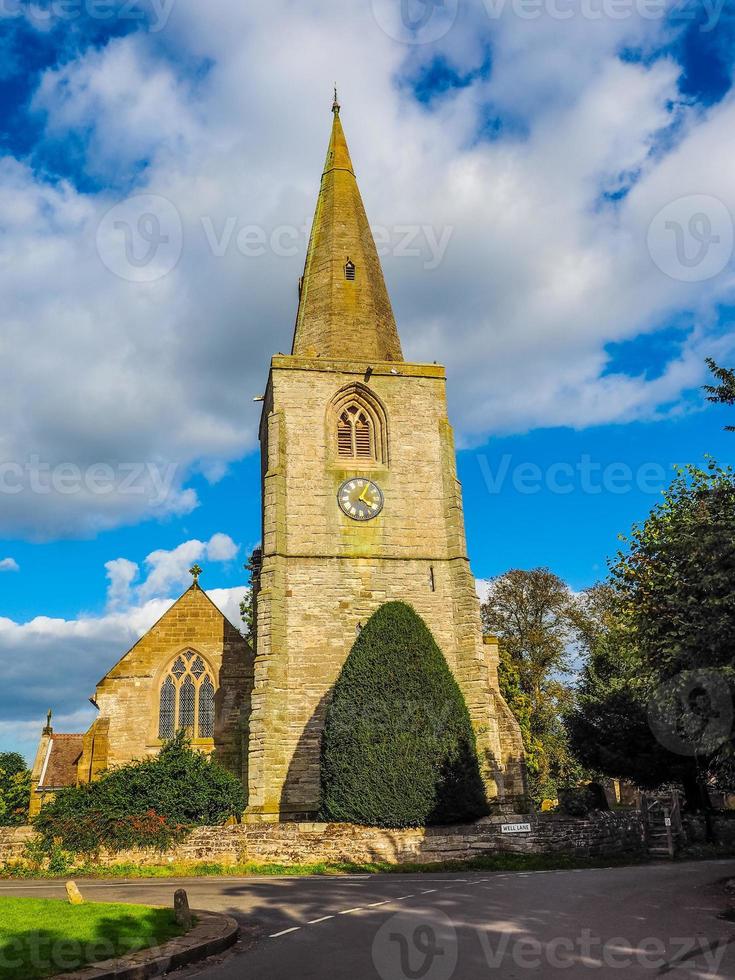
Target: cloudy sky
552,187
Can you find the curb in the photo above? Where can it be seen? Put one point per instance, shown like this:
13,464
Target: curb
212,934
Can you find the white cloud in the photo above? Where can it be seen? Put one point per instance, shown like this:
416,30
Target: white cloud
221,547
170,569
121,574
540,274
9,565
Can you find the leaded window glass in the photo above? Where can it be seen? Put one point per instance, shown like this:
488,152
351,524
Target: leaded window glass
167,716
206,709
187,698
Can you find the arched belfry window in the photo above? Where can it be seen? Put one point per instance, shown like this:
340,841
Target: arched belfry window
359,425
186,699
355,434
350,270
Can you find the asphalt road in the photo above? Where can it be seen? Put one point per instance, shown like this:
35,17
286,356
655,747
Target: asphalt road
627,923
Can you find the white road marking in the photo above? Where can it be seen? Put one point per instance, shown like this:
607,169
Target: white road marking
323,919
376,905
285,932
428,891
348,911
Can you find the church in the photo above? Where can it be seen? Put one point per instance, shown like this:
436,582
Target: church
361,505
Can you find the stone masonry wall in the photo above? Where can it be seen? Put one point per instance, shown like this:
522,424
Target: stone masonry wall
601,835
323,574
13,842
128,695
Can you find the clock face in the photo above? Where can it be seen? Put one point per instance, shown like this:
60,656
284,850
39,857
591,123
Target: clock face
360,499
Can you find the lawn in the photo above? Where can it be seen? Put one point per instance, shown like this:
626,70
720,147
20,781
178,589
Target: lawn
42,937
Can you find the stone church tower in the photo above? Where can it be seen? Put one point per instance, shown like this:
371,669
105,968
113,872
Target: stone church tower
361,505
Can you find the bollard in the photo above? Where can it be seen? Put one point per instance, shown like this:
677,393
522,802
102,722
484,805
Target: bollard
182,912
73,893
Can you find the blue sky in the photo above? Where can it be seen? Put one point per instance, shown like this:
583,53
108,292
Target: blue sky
527,178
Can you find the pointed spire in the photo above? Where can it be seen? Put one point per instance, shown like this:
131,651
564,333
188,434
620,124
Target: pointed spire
344,309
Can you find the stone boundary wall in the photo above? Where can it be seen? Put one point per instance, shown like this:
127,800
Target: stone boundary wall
13,842
601,835
723,828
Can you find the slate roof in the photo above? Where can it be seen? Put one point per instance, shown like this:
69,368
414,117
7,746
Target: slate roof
60,769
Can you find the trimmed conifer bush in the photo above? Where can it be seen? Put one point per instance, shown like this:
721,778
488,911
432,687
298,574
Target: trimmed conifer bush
398,748
151,803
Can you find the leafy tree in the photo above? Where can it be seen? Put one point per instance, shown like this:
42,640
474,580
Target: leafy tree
398,748
15,789
150,803
247,606
724,392
655,702
535,617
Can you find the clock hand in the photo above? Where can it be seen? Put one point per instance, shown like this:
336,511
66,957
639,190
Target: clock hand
362,495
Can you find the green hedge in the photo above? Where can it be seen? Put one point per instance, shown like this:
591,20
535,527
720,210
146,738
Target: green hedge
151,803
398,748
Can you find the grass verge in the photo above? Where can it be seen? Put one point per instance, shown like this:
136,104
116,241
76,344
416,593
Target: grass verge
42,937
492,862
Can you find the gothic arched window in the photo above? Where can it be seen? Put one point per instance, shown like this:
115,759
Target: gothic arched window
355,434
187,698
360,432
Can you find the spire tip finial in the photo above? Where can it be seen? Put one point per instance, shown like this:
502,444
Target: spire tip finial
335,105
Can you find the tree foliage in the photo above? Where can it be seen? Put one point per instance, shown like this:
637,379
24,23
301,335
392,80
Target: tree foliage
150,803
655,700
398,748
724,392
15,789
247,605
534,614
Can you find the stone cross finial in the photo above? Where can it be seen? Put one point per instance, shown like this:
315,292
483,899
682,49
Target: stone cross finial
195,571
48,729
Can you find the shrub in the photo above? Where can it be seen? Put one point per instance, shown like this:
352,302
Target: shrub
151,803
398,748
15,789
580,801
